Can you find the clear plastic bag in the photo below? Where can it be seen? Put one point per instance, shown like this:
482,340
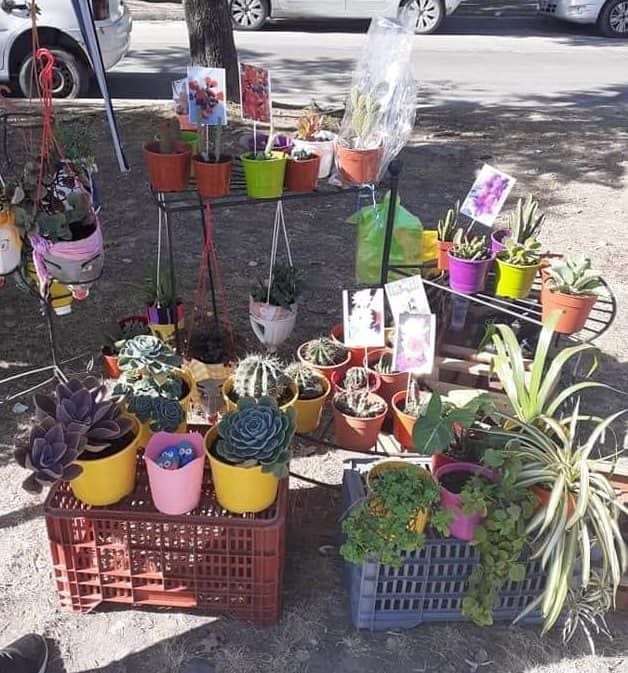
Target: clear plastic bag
381,106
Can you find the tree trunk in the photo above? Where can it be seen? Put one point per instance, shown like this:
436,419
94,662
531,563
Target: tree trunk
211,39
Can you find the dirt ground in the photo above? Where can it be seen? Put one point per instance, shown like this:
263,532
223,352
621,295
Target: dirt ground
574,160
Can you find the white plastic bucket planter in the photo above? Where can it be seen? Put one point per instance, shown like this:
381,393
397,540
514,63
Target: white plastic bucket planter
325,149
272,324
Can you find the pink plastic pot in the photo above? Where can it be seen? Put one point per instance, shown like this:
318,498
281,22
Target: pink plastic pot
497,240
175,491
464,525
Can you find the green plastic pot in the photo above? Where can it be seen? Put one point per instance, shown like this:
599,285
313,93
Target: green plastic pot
512,281
264,179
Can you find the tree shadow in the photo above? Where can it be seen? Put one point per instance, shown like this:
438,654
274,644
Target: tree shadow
20,516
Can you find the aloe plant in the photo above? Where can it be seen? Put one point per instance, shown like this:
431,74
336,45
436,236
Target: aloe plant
525,221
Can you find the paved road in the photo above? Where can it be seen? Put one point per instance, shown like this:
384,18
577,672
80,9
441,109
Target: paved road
514,59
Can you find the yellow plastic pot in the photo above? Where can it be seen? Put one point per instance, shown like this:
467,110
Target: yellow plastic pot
240,489
230,405
422,516
60,296
514,281
309,412
105,481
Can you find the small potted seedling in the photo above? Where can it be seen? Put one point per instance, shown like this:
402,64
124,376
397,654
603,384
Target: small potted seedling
212,169
571,288
358,418
312,136
516,268
163,309
407,408
392,381
264,172
355,378
447,228
524,222
168,159
313,390
469,262
122,330
302,171
325,355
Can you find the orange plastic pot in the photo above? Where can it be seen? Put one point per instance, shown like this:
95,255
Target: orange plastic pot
358,167
390,383
302,176
110,365
357,433
574,309
325,371
403,424
168,172
337,379
357,352
213,179
442,260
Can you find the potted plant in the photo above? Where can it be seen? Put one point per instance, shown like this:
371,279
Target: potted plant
355,378
258,376
11,196
570,290
273,305
115,336
302,171
313,391
264,172
446,230
324,355
469,262
392,517
381,361
517,266
249,453
163,309
358,418
157,392
524,223
106,453
168,160
356,352
311,136
213,170
407,407
359,150
280,143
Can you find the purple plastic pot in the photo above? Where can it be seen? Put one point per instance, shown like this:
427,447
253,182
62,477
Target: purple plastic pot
280,143
464,525
496,240
165,315
466,275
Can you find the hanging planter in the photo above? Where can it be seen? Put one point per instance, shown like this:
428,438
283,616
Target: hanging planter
358,419
10,243
264,173
168,161
60,296
302,171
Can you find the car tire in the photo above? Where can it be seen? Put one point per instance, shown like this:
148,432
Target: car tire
70,78
430,14
249,14
613,21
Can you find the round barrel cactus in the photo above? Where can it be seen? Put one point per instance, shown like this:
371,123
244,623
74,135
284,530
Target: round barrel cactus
258,376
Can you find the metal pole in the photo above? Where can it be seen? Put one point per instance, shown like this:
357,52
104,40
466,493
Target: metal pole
395,170
212,288
173,279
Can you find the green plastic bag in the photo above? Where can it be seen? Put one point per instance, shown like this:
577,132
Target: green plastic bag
406,241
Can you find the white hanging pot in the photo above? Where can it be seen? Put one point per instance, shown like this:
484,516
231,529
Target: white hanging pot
10,244
272,324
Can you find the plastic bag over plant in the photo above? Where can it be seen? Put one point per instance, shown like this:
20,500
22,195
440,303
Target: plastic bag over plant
381,106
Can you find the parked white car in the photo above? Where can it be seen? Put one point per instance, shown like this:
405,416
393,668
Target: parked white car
252,14
611,16
59,32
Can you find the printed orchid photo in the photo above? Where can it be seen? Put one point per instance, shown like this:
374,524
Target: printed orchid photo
207,96
255,93
487,195
415,343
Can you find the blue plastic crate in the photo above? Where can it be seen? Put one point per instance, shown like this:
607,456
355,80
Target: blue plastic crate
429,586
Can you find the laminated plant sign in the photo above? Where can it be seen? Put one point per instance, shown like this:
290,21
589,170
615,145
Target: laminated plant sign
255,101
406,241
207,96
487,195
363,312
415,343
407,296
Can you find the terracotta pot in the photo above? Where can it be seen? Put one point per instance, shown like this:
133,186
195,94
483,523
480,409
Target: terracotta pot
325,371
357,352
403,424
543,495
574,309
213,178
442,261
168,172
358,167
185,124
390,383
357,433
337,379
302,176
110,364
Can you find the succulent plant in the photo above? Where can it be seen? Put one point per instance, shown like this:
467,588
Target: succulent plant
258,433
134,383
302,155
161,413
448,226
120,331
525,221
364,112
472,249
324,352
147,352
258,376
416,400
50,454
356,378
360,404
385,364
309,382
521,254
286,286
573,277
309,125
83,407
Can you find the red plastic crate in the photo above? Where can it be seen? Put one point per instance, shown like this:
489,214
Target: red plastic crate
130,553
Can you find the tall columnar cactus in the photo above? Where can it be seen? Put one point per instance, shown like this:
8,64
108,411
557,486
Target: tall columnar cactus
258,376
364,111
356,378
360,404
525,221
448,226
310,384
324,352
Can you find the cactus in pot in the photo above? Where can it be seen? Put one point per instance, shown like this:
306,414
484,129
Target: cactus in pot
470,249
356,378
258,376
323,352
359,404
310,383
448,226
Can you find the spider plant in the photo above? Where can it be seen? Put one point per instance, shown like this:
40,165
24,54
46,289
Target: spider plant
581,512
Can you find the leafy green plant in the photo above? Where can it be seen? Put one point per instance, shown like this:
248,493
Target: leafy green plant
525,221
471,249
573,277
448,226
324,352
521,254
382,526
359,404
285,289
158,289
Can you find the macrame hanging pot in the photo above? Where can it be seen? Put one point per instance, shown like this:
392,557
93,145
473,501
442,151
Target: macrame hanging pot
10,243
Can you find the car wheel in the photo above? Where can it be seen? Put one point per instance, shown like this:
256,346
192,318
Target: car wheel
613,21
70,78
249,14
430,14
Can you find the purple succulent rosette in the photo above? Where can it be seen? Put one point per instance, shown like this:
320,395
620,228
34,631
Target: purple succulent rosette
258,433
50,454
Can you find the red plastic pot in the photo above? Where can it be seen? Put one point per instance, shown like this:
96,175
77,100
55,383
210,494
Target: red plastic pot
442,259
325,371
110,364
302,175
168,172
441,459
574,309
390,383
357,433
336,380
213,178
